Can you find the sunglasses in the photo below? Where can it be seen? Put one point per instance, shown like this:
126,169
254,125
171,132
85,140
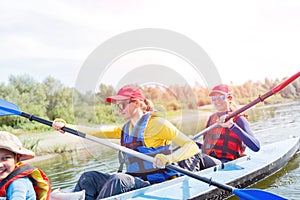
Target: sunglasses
122,105
221,97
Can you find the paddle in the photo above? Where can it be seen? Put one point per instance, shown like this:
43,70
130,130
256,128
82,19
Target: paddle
7,108
261,98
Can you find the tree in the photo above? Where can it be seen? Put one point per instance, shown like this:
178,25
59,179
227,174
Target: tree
104,92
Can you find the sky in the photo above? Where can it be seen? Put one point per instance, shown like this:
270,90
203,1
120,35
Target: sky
245,40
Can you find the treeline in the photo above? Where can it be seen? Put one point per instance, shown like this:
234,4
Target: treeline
51,99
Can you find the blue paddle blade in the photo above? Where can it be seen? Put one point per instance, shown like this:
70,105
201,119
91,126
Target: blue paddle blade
255,194
7,108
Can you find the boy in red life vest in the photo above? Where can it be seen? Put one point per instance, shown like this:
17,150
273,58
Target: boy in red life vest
227,141
17,179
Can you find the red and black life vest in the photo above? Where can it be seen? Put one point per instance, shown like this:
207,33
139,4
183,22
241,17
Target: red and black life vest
221,143
38,178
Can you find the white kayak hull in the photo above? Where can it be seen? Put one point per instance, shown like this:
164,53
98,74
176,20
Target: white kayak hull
239,173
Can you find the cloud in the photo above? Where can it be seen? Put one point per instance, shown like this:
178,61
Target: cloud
246,40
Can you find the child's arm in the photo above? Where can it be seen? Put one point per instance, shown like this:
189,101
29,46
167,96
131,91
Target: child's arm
18,189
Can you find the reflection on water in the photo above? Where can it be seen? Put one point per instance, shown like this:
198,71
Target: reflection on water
273,123
64,170
269,122
280,115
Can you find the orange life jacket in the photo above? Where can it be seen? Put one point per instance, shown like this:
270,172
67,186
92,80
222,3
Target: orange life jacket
38,178
221,142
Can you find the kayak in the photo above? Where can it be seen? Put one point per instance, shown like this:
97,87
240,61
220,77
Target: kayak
240,173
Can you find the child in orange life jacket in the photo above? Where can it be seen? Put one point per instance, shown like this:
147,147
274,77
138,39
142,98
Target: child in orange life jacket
227,141
19,180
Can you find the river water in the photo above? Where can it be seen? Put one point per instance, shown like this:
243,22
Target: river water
270,123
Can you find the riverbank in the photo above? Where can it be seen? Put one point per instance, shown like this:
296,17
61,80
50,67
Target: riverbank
50,144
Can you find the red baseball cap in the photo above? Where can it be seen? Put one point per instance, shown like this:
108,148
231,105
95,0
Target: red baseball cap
127,92
222,89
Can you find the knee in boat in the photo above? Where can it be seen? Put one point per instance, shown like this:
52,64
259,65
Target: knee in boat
120,176
123,179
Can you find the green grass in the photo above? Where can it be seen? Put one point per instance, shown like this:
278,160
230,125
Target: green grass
30,144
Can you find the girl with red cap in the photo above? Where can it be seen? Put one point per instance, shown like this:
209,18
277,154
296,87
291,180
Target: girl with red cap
145,132
227,141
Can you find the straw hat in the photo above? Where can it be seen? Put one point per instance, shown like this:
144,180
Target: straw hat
13,144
